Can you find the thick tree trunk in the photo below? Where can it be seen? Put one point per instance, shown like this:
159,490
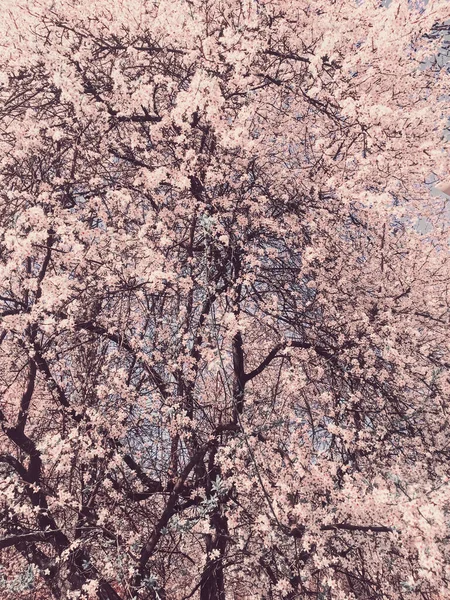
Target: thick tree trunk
212,582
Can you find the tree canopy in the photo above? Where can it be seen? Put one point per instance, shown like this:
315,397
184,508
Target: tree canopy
224,327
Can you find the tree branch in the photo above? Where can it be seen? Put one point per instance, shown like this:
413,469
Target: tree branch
19,538
279,347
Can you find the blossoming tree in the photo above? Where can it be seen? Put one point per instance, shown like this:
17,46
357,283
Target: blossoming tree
224,326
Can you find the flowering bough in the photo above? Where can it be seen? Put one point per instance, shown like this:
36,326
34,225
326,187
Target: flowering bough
224,302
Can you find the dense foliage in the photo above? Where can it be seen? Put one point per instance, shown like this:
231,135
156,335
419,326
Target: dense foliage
224,300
